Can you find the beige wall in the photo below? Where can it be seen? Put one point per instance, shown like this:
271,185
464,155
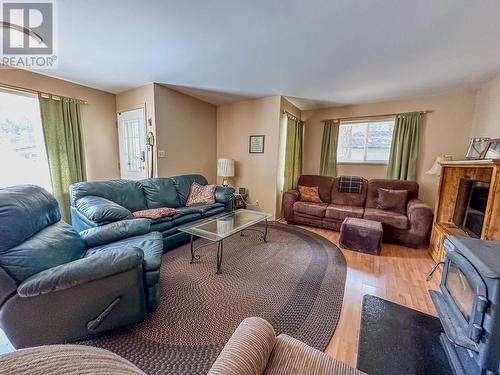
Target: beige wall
100,138
257,172
444,131
186,129
486,121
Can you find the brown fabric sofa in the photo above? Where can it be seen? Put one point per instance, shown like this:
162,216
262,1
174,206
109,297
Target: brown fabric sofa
253,349
411,228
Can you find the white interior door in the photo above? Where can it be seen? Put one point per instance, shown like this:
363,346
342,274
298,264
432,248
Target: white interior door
132,143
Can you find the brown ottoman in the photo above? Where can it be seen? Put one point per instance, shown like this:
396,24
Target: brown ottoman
361,235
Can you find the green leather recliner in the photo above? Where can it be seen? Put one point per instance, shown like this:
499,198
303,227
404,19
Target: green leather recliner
57,285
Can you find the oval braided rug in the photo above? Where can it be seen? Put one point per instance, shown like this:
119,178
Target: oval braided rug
295,281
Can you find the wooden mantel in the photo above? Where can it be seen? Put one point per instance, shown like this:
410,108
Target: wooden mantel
452,172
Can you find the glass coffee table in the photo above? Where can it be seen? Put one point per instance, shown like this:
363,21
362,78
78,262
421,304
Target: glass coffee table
217,228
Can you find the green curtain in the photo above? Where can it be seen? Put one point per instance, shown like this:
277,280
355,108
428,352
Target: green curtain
328,161
404,148
63,139
293,152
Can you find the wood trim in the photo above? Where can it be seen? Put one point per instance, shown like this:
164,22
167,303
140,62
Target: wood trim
484,170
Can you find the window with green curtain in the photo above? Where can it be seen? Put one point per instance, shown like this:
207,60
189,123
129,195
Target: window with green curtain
61,122
328,161
404,148
293,152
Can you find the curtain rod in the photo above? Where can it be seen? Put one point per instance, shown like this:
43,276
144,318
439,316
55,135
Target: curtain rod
291,115
374,116
42,93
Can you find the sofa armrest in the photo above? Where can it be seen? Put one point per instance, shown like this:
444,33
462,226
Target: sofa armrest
225,195
289,198
65,359
247,351
102,210
117,231
291,356
81,271
420,216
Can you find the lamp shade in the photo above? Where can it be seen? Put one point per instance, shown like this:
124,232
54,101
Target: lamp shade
225,167
436,167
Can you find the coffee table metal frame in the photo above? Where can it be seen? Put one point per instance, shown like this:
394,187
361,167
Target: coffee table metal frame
220,239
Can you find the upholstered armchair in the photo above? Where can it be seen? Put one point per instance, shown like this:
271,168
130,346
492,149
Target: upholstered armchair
57,285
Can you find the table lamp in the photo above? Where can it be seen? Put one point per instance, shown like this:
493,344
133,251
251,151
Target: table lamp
225,169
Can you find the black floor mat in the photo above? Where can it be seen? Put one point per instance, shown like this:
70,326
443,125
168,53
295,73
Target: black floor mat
397,340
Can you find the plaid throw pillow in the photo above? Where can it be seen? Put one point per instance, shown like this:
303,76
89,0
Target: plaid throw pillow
309,194
201,194
156,213
350,184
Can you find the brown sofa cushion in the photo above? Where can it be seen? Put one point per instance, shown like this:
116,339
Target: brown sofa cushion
309,208
392,200
340,212
309,194
391,218
373,185
348,199
324,184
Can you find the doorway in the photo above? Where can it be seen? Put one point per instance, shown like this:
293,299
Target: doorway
132,144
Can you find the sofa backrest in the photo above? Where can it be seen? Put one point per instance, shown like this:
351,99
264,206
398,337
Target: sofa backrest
324,184
33,236
183,185
126,193
373,185
349,199
160,192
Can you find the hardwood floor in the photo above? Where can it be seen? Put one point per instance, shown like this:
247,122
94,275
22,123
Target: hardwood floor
397,275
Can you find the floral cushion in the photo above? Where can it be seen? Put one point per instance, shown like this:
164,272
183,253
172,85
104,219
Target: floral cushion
309,194
201,194
156,213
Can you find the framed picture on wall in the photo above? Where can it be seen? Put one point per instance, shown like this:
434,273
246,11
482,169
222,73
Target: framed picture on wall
492,150
256,144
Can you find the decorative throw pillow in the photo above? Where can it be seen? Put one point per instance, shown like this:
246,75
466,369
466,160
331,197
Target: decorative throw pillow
392,200
309,194
201,194
155,213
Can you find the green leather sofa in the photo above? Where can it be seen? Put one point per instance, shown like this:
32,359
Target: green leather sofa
101,202
58,285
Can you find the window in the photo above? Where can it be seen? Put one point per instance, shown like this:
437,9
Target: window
23,158
365,141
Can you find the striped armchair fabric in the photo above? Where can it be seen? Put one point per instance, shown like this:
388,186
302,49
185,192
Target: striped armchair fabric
65,360
254,349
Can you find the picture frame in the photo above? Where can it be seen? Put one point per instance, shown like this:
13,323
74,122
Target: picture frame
492,150
256,144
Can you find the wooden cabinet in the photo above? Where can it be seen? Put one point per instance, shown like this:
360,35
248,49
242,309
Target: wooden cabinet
487,171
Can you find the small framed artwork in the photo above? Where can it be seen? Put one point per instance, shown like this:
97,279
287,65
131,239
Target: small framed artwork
492,150
256,144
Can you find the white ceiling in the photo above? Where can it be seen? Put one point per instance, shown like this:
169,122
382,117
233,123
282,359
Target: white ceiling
322,51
